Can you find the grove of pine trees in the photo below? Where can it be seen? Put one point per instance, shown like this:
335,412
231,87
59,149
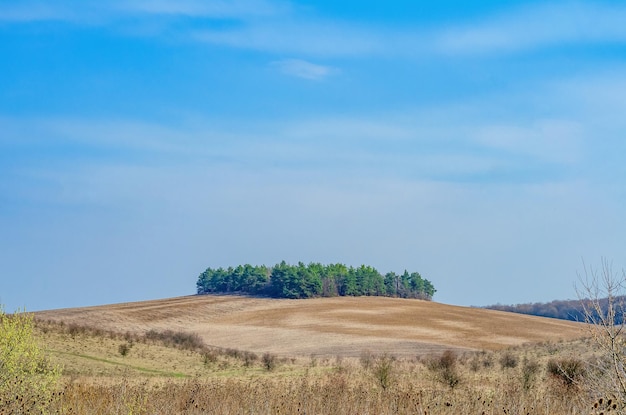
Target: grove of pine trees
313,280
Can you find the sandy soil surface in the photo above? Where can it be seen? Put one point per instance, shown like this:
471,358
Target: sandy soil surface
341,326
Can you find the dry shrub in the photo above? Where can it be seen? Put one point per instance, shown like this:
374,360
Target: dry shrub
178,339
445,368
508,360
124,348
383,370
322,391
73,329
249,358
475,364
568,371
270,361
488,360
480,360
209,356
234,353
330,393
366,359
530,372
603,299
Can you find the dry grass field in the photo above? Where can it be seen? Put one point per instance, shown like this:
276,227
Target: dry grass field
368,355
340,326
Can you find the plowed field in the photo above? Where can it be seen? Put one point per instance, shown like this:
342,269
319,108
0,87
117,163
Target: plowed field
341,326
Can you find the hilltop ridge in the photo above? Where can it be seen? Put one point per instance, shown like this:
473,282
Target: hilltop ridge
339,326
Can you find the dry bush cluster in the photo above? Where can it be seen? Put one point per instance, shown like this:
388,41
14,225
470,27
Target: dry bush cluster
538,379
178,339
445,368
191,342
375,383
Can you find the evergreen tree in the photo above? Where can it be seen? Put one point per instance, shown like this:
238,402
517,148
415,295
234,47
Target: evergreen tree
313,280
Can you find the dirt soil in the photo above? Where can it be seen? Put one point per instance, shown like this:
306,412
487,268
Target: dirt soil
340,326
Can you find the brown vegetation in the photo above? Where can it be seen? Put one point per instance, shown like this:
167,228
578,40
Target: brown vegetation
445,383
324,326
172,369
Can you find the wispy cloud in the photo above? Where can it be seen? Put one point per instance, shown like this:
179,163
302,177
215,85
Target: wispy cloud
545,139
537,26
102,13
303,69
508,31
33,11
298,35
457,141
280,27
215,8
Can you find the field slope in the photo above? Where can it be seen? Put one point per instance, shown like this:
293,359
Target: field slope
341,326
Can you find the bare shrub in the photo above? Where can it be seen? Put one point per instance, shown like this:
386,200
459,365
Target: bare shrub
270,361
209,356
508,360
234,353
480,360
445,368
130,337
530,372
178,339
488,360
124,348
249,358
383,370
569,371
366,359
340,366
74,329
475,364
602,298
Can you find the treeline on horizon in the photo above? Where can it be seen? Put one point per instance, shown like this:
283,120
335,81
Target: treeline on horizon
313,280
571,310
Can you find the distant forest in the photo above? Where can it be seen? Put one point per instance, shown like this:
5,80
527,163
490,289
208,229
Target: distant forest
313,280
566,310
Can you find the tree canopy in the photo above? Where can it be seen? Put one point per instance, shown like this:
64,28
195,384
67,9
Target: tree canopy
573,310
313,280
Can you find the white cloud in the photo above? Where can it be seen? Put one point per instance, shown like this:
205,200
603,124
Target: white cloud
214,8
298,35
513,30
279,27
536,26
19,13
95,12
472,141
550,140
303,69
33,11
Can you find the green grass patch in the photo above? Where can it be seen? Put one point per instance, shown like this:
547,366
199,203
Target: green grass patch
111,362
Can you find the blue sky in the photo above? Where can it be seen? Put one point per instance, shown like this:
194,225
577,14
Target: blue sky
479,143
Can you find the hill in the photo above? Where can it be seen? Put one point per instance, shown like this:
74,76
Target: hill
338,326
571,310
